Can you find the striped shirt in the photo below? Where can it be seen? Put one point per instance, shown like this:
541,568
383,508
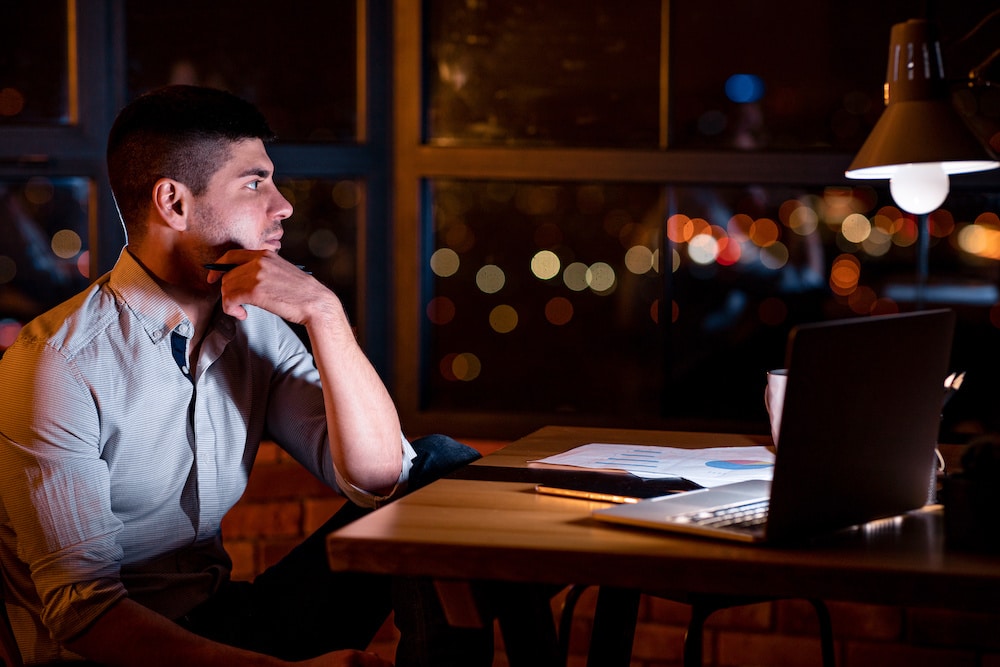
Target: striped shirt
118,462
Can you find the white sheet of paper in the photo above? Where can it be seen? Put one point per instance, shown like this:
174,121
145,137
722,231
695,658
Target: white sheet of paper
708,467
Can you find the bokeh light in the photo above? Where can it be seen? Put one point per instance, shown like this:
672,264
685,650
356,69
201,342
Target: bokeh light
459,237
712,122
862,300
703,249
9,329
545,265
744,88
66,243
503,319
877,244
575,276
803,220
774,256
490,279
11,102
559,311
995,315
856,228
772,311
39,190
600,277
441,310
346,194
445,262
463,366
83,263
323,243
8,269
764,232
639,260
845,274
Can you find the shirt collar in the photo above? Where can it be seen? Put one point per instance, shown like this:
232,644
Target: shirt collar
155,310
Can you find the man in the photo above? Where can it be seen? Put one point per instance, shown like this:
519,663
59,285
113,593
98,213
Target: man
135,410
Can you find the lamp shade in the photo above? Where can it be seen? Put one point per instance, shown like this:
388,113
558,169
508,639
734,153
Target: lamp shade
919,124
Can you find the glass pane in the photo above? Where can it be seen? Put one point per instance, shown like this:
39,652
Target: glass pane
549,73
544,297
322,233
34,86
297,64
44,256
801,75
749,263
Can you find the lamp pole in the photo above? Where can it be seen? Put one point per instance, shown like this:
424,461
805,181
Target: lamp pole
923,250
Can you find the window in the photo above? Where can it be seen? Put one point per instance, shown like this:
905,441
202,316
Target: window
44,252
36,72
49,200
721,144
65,73
529,274
547,73
593,172
298,63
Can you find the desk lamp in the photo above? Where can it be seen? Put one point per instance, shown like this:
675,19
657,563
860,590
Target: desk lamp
919,139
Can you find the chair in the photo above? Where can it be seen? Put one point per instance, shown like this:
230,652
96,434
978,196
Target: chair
9,653
702,606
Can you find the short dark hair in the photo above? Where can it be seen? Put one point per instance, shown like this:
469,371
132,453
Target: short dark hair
180,132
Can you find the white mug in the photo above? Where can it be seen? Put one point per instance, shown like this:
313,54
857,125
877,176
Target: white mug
774,399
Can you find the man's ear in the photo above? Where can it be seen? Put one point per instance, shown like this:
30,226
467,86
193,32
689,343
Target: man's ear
172,201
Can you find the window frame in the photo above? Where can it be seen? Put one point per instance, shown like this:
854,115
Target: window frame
415,161
78,149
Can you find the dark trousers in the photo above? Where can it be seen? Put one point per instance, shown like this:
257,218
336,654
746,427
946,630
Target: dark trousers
299,608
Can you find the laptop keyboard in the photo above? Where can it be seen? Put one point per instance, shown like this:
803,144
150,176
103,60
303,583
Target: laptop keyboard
748,515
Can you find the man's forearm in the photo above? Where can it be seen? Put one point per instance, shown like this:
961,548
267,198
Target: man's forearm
363,423
129,634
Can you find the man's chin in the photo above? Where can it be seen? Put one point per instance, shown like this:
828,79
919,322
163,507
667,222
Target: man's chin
207,290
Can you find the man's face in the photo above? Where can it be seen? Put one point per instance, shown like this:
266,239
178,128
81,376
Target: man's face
242,207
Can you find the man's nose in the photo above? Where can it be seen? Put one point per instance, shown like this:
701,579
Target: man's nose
282,207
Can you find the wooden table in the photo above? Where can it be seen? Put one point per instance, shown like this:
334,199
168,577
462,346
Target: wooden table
465,530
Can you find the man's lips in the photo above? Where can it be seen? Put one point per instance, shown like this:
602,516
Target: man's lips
274,241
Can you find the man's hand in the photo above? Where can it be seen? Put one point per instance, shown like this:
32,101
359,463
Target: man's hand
347,659
261,278
129,634
365,435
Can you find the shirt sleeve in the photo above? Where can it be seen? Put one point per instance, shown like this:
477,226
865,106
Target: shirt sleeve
55,490
367,499
296,419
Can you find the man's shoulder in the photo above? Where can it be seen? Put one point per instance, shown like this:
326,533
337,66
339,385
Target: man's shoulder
74,323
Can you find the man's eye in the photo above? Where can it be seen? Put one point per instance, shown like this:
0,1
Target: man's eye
253,185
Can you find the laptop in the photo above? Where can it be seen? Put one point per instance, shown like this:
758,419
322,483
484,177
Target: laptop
857,442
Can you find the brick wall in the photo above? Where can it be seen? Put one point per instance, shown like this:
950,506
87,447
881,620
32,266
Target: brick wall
786,633
284,503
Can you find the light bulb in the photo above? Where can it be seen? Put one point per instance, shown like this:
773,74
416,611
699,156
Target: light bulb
919,188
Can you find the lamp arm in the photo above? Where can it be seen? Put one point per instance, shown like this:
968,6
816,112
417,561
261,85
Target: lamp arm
976,28
975,72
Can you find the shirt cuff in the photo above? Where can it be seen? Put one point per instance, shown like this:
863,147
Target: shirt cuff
364,498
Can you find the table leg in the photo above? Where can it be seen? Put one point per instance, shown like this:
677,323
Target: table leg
524,612
614,627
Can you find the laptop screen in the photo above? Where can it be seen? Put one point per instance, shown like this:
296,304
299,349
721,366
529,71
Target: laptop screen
861,419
